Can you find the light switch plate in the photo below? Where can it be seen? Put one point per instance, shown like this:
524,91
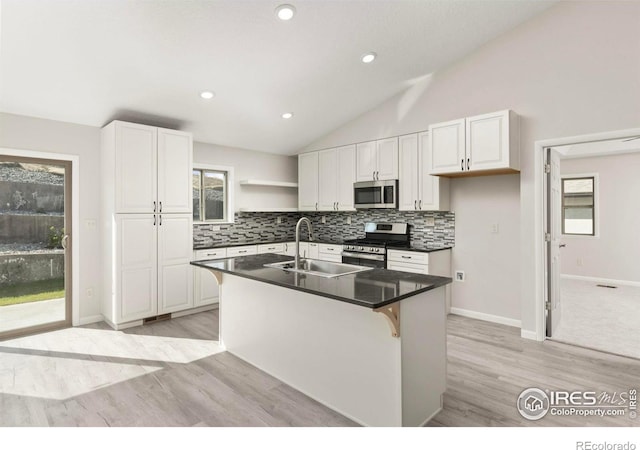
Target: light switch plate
91,224
348,220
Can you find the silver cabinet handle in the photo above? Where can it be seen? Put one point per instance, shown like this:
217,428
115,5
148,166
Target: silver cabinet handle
468,161
316,206
405,257
419,204
160,207
242,251
212,254
415,204
160,217
562,245
373,175
154,220
154,206
462,164
330,249
377,175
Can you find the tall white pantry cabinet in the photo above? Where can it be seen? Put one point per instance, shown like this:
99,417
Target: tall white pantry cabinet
147,224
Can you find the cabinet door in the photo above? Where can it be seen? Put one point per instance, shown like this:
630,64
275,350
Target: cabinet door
327,179
308,181
366,163
175,276
434,190
135,168
136,262
387,159
447,147
408,171
205,285
314,251
346,177
174,171
487,140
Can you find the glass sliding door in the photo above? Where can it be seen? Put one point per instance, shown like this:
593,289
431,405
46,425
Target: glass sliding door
35,245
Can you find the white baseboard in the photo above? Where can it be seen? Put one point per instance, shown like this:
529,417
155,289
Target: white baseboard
90,319
601,280
527,334
194,310
486,317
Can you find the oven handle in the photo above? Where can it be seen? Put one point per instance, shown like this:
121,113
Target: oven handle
363,256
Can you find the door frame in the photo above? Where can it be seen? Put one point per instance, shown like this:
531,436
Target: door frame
75,217
540,190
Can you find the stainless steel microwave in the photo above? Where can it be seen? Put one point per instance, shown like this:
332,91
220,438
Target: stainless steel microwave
376,194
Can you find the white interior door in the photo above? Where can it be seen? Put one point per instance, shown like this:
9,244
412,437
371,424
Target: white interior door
554,218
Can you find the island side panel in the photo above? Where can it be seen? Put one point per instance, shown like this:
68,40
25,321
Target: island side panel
424,355
340,354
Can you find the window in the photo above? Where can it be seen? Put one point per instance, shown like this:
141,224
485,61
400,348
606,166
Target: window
211,196
578,206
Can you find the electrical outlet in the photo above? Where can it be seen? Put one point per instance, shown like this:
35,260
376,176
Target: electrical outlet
495,228
215,227
430,221
91,224
460,276
324,219
89,292
348,220
279,220
580,262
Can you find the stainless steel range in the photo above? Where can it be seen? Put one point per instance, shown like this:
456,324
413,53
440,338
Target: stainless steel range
371,251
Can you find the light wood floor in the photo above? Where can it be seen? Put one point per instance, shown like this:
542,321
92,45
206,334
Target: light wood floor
173,373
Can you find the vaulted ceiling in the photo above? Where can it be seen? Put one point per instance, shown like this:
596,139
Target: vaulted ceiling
91,61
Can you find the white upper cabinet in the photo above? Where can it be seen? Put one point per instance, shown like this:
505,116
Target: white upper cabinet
447,146
327,179
174,160
337,172
480,145
419,191
135,167
151,168
366,161
377,160
408,184
346,170
387,159
308,181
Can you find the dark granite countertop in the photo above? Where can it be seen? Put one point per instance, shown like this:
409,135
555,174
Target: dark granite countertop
422,248
263,242
371,288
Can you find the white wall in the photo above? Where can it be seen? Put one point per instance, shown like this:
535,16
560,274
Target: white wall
574,69
250,164
27,133
614,253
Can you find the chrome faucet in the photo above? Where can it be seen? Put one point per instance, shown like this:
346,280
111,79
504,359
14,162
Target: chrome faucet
300,222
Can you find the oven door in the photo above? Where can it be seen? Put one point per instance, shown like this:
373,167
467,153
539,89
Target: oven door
364,259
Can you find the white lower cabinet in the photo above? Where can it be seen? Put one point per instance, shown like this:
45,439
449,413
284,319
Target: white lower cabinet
244,250
329,252
149,270
271,248
206,290
432,263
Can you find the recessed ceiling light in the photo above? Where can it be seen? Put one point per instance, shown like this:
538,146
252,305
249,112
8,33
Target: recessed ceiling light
207,95
288,115
368,57
285,12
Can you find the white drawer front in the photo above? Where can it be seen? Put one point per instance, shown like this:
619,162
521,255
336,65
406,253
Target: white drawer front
413,257
214,253
270,248
408,267
242,251
332,249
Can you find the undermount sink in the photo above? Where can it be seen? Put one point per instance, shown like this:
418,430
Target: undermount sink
325,269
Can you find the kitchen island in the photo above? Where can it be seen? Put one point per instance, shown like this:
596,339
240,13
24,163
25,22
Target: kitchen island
370,345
